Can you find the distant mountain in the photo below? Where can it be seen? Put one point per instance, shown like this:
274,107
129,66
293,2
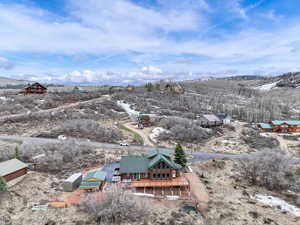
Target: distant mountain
4,81
244,77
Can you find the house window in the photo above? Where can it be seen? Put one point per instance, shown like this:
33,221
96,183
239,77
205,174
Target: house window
154,176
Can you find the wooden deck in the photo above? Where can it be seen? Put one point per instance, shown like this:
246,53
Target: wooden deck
175,182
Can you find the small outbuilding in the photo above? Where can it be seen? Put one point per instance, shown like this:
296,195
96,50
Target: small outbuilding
72,182
93,181
12,169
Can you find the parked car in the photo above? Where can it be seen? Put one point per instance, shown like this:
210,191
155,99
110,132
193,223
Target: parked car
124,144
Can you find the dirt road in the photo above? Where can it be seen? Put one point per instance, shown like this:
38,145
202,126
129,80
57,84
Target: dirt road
144,136
198,191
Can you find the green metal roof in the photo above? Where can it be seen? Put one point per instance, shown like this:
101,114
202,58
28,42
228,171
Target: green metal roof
159,158
134,164
289,122
265,126
90,184
98,175
159,151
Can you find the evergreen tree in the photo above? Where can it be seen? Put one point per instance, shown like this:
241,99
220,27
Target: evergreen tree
17,153
180,157
2,185
149,87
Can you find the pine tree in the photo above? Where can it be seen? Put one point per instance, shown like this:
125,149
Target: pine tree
2,185
17,153
180,157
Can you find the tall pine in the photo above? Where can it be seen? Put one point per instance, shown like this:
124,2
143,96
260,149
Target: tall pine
2,185
180,157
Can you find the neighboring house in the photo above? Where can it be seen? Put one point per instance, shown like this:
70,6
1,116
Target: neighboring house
35,88
226,119
143,120
175,87
93,181
12,169
156,165
154,174
72,182
130,88
281,126
79,89
211,120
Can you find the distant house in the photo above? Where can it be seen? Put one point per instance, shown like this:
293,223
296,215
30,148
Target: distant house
93,181
143,120
281,126
12,169
72,182
211,120
130,88
79,89
35,88
175,87
225,118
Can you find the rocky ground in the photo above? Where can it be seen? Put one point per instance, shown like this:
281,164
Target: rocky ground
230,199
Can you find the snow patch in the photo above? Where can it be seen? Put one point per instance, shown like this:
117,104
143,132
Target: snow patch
266,87
156,132
277,202
127,108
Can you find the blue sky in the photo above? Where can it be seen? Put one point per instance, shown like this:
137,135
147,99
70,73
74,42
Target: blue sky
135,41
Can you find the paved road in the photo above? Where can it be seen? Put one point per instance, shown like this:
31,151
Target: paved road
199,156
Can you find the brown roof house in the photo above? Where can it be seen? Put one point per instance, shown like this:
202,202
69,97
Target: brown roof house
12,169
35,88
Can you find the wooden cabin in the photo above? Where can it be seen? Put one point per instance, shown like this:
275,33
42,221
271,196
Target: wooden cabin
211,120
157,165
154,174
12,169
35,88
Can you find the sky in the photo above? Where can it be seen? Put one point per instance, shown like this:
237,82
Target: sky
136,41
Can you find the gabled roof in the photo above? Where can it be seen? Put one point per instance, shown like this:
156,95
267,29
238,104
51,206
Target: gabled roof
97,175
90,184
35,85
211,118
265,126
11,166
158,158
288,122
134,164
159,151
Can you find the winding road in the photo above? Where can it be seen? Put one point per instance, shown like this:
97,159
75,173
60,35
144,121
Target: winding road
199,156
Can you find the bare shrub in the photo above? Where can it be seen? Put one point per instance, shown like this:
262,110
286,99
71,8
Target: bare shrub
269,168
116,207
55,155
184,130
90,129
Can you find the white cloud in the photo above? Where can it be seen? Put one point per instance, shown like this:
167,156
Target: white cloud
151,69
6,64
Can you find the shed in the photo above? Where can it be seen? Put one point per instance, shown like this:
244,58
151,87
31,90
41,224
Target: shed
93,181
12,169
72,182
